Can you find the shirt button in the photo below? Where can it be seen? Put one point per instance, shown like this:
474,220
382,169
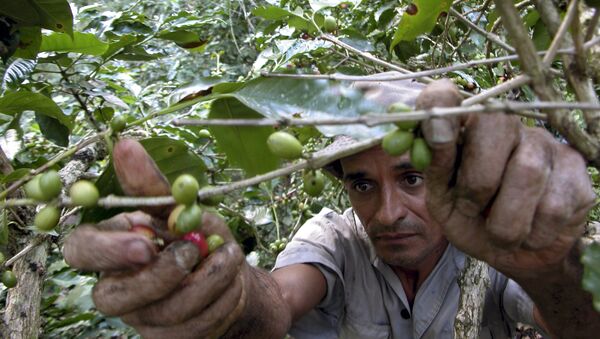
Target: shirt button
404,314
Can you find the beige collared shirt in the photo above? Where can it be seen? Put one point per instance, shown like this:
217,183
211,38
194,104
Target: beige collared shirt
365,298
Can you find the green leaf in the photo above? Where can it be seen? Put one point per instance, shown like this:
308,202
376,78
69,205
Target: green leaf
30,42
172,157
15,175
317,5
53,130
3,227
244,146
541,37
17,102
294,20
117,46
298,98
420,21
591,272
84,43
184,38
54,15
272,12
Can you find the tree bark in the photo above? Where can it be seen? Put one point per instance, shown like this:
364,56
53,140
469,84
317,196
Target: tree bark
22,318
473,281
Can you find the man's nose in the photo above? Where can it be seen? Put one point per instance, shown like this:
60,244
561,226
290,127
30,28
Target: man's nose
392,206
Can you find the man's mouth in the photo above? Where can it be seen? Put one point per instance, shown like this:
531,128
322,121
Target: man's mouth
393,237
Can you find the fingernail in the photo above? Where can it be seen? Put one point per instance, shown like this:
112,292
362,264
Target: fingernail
138,252
439,131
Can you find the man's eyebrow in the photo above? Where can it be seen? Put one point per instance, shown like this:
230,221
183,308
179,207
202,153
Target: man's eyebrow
403,166
354,176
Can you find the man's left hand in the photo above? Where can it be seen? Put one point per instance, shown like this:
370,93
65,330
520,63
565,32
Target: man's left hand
507,194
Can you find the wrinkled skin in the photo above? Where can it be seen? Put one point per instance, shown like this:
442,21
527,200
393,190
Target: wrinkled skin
160,293
519,199
509,195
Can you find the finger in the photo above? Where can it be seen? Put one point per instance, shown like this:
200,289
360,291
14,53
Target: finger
441,135
89,249
211,323
118,294
199,290
138,174
213,223
525,180
564,206
489,141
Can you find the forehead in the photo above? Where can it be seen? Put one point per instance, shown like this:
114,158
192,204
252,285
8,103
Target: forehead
373,160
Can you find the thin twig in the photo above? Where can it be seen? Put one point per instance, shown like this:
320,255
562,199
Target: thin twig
416,75
532,65
591,30
33,244
562,30
52,162
504,87
490,36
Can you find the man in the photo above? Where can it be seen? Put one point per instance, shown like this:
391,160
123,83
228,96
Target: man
509,195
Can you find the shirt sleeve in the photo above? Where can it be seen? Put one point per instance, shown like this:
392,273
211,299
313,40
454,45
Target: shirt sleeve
319,242
517,304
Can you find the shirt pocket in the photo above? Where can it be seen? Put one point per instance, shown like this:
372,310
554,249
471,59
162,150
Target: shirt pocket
360,329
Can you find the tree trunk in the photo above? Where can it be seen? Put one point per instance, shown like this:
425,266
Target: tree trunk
473,281
22,316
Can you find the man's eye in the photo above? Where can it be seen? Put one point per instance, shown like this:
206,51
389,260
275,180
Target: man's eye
362,186
413,180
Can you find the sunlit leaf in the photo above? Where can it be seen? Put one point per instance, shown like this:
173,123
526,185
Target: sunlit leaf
419,17
84,43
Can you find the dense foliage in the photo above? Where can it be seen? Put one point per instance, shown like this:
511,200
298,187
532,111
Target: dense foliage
71,67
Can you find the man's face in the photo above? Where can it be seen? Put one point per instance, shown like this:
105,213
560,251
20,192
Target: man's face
388,196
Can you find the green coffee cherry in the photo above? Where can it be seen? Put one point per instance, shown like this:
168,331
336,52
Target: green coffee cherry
397,142
284,145
84,193
118,123
9,279
185,189
50,184
2,258
420,154
189,220
204,134
214,241
400,107
33,190
47,218
313,182
330,24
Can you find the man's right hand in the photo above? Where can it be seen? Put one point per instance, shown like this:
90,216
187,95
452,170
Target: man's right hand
167,293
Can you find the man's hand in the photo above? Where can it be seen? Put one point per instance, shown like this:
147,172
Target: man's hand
504,193
163,294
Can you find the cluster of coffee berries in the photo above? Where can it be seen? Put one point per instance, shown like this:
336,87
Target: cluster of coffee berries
404,139
278,245
286,146
185,221
46,187
8,278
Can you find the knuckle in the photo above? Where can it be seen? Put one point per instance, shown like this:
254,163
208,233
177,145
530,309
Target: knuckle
507,236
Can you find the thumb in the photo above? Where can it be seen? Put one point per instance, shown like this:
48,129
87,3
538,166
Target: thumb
138,174
442,137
